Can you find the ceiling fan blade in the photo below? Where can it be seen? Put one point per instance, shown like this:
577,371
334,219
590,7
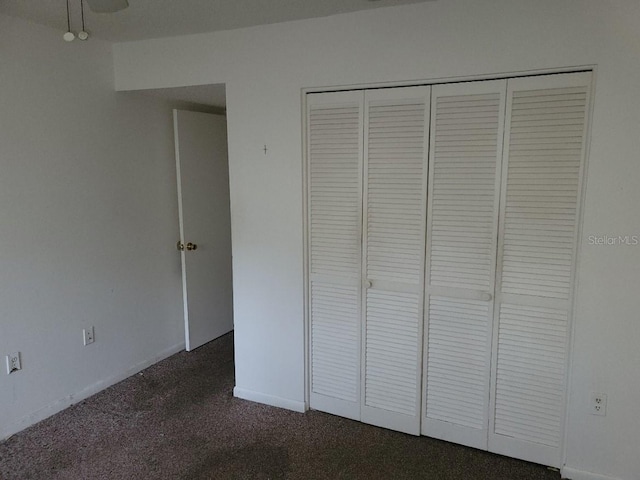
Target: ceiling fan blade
107,6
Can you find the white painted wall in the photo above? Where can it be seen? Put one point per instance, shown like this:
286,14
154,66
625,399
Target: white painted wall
88,224
265,69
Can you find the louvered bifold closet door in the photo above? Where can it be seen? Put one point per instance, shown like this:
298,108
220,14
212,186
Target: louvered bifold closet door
542,175
467,121
334,142
396,136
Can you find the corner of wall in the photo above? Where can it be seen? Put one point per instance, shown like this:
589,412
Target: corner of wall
272,400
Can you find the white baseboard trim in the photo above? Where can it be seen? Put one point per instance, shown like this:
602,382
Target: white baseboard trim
575,474
61,404
269,399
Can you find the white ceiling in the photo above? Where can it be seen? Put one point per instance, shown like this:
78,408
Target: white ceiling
165,18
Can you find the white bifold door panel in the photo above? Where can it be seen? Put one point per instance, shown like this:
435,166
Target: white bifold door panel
544,149
467,121
335,149
395,182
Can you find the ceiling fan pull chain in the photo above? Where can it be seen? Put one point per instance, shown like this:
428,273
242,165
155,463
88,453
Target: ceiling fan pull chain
69,36
83,35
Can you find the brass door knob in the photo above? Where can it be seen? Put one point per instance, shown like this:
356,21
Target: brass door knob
180,246
192,246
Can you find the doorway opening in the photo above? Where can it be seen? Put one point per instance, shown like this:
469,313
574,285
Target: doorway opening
203,223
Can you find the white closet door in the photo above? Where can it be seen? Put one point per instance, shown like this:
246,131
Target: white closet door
334,139
542,172
467,121
466,150
396,136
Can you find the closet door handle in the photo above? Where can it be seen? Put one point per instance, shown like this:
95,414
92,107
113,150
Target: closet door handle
486,297
368,284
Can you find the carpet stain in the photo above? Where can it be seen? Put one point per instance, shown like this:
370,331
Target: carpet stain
255,461
61,460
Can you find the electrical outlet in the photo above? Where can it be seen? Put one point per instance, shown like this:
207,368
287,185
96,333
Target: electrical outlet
13,362
598,404
88,336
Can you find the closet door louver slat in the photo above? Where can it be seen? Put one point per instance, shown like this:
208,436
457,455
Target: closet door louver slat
466,148
334,141
396,126
544,150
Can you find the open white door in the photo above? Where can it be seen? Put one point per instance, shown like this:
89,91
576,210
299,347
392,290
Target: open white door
205,225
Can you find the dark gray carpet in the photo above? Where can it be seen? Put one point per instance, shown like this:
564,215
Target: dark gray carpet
179,420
